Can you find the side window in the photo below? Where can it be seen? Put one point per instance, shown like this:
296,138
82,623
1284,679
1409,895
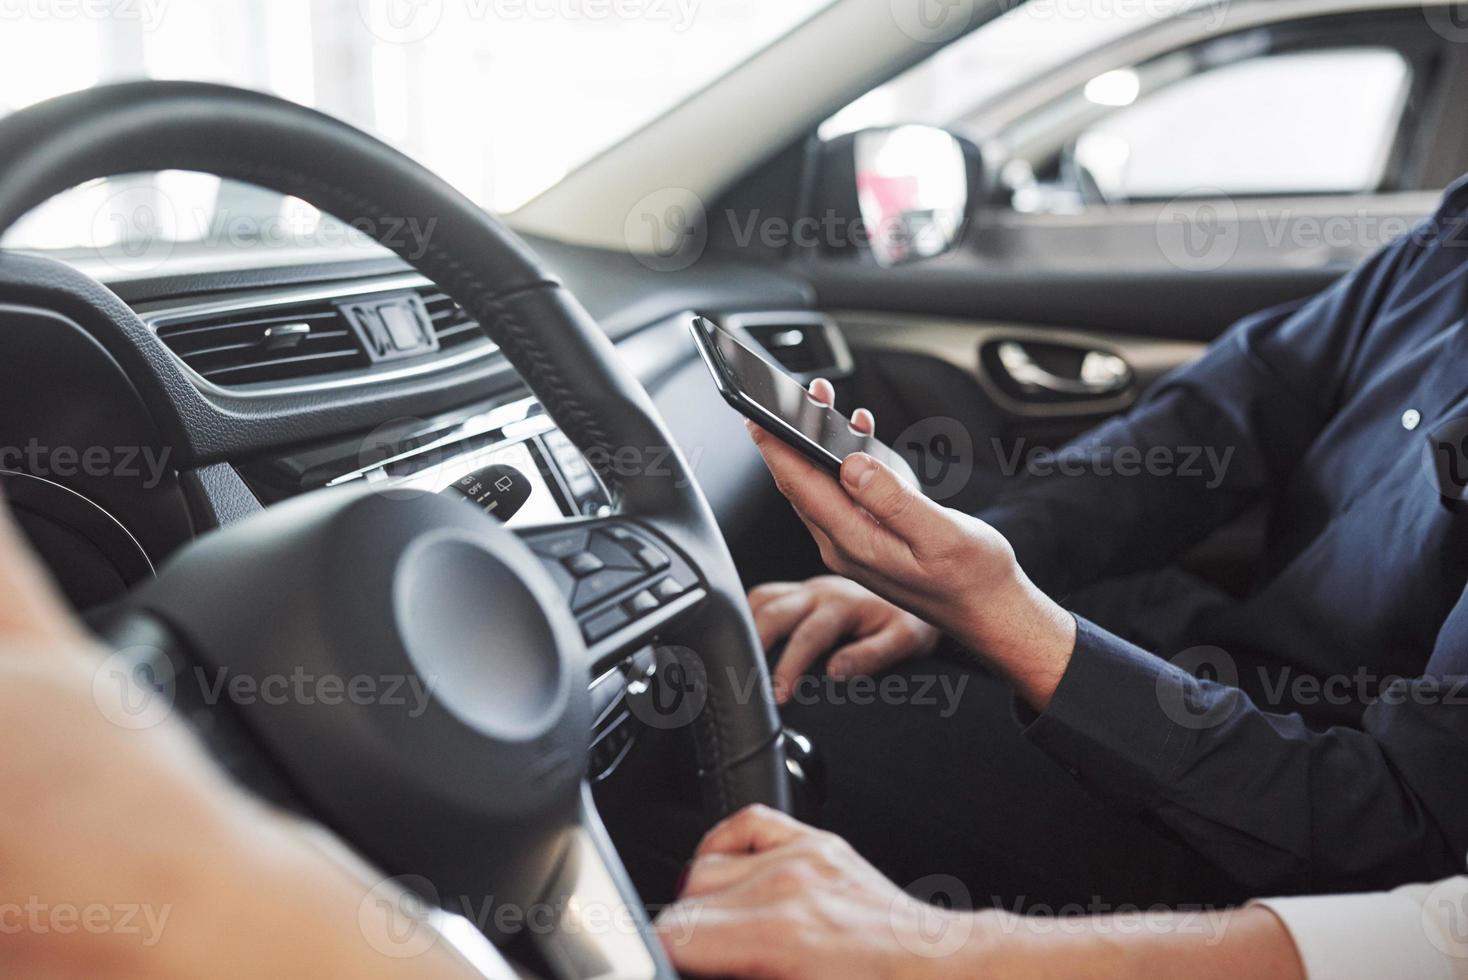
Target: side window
1306,122
1078,112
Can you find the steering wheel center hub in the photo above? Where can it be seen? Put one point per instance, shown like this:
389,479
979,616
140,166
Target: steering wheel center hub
474,630
463,713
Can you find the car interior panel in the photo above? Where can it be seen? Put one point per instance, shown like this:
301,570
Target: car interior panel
475,440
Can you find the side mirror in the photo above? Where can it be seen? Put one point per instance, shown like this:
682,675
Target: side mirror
910,189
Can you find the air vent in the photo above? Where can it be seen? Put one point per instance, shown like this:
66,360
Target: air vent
454,327
275,343
323,337
805,344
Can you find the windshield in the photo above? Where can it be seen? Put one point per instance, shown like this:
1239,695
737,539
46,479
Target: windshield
500,97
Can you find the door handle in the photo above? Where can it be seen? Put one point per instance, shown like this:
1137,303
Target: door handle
1100,374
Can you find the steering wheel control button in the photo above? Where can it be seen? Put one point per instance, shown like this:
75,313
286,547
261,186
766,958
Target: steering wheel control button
603,625
613,552
560,545
642,603
652,559
498,490
602,585
667,588
583,564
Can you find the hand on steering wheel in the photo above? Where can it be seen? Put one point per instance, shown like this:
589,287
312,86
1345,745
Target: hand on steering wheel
767,896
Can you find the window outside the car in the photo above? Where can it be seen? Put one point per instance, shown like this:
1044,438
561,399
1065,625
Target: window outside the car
1303,107
1295,123
502,98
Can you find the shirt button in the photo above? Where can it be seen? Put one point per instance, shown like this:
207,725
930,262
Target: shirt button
1411,418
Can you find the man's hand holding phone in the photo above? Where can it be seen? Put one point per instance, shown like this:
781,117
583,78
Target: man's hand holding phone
941,566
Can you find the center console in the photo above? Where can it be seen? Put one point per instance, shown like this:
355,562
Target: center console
509,459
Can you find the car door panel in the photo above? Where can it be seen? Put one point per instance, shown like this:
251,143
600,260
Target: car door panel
1174,305
928,378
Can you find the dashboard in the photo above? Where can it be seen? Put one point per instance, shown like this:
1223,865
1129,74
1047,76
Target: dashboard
203,398
244,387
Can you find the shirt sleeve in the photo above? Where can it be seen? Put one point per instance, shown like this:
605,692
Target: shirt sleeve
1206,441
1420,931
1281,806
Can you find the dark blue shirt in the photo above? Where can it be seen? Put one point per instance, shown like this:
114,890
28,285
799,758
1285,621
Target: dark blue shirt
1331,752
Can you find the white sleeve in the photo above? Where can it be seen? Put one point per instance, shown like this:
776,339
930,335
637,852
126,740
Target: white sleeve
1420,931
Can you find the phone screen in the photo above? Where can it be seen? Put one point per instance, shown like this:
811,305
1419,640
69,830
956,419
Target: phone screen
744,376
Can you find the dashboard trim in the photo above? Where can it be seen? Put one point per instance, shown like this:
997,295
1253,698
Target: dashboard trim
110,520
844,366
156,318
494,420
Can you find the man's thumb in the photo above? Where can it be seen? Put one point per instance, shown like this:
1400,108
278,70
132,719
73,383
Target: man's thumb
896,504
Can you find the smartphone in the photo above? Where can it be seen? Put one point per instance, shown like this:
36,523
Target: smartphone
761,391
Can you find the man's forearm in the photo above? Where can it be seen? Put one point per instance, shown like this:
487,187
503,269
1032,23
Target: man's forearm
1249,942
300,903
1025,635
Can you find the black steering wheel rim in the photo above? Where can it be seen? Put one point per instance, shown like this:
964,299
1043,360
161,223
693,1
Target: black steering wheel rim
563,356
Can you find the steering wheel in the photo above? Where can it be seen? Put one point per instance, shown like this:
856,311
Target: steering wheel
482,793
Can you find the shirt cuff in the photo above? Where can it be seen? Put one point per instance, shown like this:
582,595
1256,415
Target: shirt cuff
1120,719
1365,937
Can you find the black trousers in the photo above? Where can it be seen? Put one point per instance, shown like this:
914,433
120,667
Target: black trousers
936,787
923,796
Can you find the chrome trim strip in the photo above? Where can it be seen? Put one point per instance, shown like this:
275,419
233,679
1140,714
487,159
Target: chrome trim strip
309,294
496,419
513,422
600,930
520,452
142,552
